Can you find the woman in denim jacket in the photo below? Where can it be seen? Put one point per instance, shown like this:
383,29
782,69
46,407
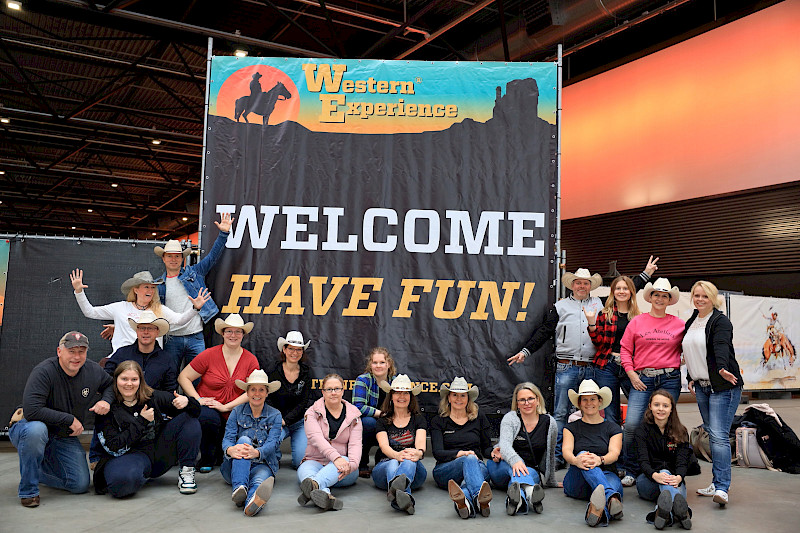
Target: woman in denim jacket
252,438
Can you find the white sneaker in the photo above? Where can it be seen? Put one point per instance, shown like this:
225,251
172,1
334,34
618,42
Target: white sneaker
708,491
628,481
720,497
186,483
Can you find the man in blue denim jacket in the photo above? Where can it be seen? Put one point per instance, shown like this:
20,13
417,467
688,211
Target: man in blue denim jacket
184,342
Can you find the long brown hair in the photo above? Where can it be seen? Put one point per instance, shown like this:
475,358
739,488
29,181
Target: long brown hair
674,430
387,408
611,302
144,393
389,360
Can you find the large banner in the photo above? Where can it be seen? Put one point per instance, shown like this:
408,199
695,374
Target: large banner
404,204
766,334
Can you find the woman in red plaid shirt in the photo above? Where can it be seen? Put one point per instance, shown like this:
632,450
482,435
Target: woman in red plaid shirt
606,330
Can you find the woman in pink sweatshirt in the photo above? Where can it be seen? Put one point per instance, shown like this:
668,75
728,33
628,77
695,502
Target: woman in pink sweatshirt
333,428
650,352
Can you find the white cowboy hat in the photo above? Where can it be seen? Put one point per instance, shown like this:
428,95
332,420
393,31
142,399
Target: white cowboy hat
293,338
661,285
459,385
259,377
149,317
400,383
234,320
582,273
588,387
140,278
172,247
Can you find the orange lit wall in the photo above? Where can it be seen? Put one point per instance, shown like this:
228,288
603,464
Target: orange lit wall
714,114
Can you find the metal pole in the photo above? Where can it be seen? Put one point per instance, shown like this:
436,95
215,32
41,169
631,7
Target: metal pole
203,176
559,253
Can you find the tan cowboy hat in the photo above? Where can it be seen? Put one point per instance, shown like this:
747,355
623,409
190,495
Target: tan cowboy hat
459,385
172,247
661,285
589,387
149,317
400,383
293,338
582,273
140,278
259,377
234,320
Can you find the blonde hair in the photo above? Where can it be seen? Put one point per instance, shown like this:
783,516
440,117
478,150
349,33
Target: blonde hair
155,303
611,302
527,385
711,291
385,353
444,407
329,377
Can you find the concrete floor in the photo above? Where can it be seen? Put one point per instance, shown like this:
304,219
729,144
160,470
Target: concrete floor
759,501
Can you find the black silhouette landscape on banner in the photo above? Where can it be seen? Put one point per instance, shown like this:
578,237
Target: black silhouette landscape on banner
505,164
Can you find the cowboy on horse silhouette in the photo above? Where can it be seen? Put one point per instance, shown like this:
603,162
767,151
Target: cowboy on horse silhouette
260,102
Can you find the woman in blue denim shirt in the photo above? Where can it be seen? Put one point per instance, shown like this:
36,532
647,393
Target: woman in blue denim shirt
252,438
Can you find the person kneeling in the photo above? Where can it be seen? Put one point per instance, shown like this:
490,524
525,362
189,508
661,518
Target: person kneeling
144,434
662,446
251,442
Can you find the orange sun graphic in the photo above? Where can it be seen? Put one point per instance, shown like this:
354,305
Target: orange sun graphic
238,85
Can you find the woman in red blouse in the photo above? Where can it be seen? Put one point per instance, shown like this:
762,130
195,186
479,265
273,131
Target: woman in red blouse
218,368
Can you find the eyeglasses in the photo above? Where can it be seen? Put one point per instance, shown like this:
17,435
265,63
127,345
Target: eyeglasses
293,349
147,328
526,400
234,332
332,390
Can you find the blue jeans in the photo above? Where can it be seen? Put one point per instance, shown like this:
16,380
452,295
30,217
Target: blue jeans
502,475
385,471
649,489
184,348
58,462
297,432
368,439
609,376
467,470
580,483
326,476
245,472
637,405
568,376
718,410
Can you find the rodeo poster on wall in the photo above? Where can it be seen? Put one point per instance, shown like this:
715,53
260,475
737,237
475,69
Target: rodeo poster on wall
410,205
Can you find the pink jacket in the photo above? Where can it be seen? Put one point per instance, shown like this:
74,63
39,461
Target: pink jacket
347,442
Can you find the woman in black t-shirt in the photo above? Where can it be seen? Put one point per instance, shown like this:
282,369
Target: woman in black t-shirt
401,432
591,446
524,458
460,440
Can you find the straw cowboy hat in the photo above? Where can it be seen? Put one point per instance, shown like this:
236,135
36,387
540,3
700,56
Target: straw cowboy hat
293,338
661,285
589,387
259,377
140,278
400,383
149,317
459,385
234,320
172,247
582,273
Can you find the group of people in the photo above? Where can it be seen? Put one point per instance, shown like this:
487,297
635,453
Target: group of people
223,407
615,347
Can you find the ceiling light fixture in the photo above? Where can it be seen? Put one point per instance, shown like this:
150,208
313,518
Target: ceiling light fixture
185,219
156,141
5,120
2,172
90,210
73,227
154,234
12,4
115,185
240,53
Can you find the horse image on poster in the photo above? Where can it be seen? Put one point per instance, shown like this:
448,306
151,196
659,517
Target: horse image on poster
261,104
777,346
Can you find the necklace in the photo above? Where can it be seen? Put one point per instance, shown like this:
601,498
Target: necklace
140,307
130,403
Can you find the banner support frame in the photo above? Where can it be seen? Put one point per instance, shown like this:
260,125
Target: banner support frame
558,254
203,177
